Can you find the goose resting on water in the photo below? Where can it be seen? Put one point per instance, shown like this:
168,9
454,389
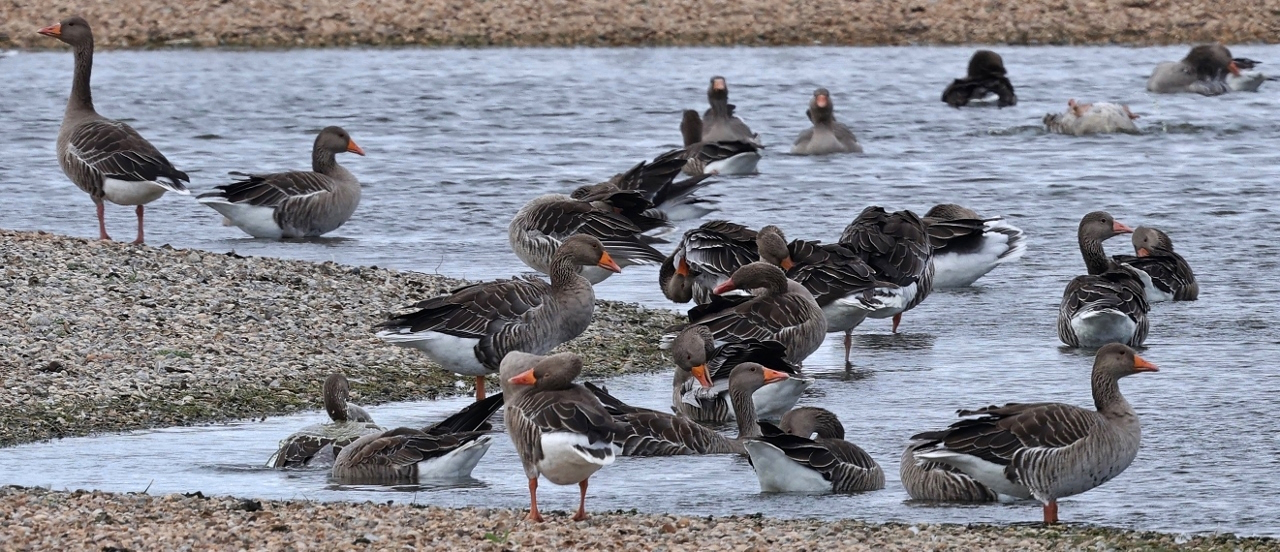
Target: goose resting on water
1109,304
1048,451
966,246
726,157
827,135
934,481
106,159
322,442
985,83
782,310
1095,118
1166,276
719,124
700,388
809,454
1205,71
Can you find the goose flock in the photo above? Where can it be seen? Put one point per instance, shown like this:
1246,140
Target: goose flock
760,306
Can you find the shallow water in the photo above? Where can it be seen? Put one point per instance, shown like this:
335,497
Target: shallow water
459,139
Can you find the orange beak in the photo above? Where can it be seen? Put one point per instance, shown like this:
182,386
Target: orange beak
1144,252
719,84
1119,228
683,268
700,372
728,285
606,262
1235,69
822,101
771,376
787,263
353,148
1141,365
524,378
54,30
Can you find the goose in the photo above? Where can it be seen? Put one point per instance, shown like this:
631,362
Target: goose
447,450
704,258
630,204
1165,275
809,454
700,388
655,181
1107,305
558,427
654,433
782,310
295,204
933,481
827,135
1248,80
1095,118
543,224
469,330
966,246
727,157
985,83
898,247
719,124
1048,451
105,158
1203,71
320,443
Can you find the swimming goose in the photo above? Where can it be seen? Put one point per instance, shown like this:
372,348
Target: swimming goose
966,246
449,449
322,442
704,259
1048,450
469,330
726,157
1107,305
935,481
985,83
538,229
897,245
295,204
1165,275
781,310
1248,80
827,135
809,454
719,124
558,427
700,388
1203,71
106,159
1095,118
654,433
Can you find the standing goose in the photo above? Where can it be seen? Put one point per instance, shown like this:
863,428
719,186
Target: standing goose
469,330
1048,450
1095,118
1107,305
1166,276
700,388
542,225
295,204
966,246
726,157
322,442
719,124
808,454
1204,71
106,159
782,311
897,245
558,427
450,449
935,481
827,135
985,83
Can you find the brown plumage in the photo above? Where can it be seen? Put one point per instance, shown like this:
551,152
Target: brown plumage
782,310
719,122
704,158
827,135
1171,276
697,358
812,439
986,76
1107,305
897,245
544,223
325,441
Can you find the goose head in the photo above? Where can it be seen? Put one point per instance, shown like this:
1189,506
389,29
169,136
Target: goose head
335,140
986,63
551,373
820,108
757,275
691,350
772,246
1117,360
73,30
584,250
1211,61
810,421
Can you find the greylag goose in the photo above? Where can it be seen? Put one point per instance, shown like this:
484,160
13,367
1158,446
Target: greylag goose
704,259
449,449
322,442
728,157
782,311
700,389
295,204
469,330
1095,118
558,427
1248,80
719,124
1048,450
897,245
809,454
105,158
966,246
1203,71
1165,275
827,135
656,181
654,433
985,83
630,204
934,481
543,224
1107,305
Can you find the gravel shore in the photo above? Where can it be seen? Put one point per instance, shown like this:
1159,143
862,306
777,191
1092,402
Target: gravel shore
98,336
293,23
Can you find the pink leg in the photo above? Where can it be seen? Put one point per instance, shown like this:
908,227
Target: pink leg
102,222
1051,512
139,241
848,344
897,319
582,501
533,501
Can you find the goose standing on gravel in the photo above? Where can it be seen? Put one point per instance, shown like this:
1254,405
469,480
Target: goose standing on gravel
782,311
719,124
933,481
469,330
897,245
1170,277
106,159
322,442
295,204
558,427
726,157
1048,451
448,450
542,225
809,454
1203,71
1109,304
966,246
1095,118
700,388
827,135
985,83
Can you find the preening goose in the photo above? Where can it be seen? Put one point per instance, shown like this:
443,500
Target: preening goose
809,454
294,204
719,123
105,158
469,330
827,135
1048,450
700,388
782,310
727,157
1095,118
322,442
558,427
1248,80
1166,276
985,83
897,245
630,204
655,181
1203,71
1109,304
966,246
538,229
934,481
704,258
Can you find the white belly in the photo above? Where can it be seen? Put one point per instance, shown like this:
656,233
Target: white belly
779,474
121,192
563,464
455,354
1097,328
257,221
458,464
742,164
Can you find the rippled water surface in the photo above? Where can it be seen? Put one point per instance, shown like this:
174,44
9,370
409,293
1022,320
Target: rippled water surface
459,139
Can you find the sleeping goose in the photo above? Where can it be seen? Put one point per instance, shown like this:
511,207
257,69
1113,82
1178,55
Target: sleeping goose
322,442
827,135
449,449
1166,276
1096,118
966,246
1107,305
1203,71
1048,450
719,124
295,204
106,159
897,246
469,330
727,157
985,83
934,481
809,454
558,427
538,229
781,310
700,388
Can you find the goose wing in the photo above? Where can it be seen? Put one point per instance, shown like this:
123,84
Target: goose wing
112,149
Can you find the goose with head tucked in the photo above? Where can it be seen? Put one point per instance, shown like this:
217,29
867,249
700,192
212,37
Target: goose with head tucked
1109,304
1081,119
543,224
985,83
898,247
700,388
809,454
704,258
827,135
719,124
1165,275
320,443
1203,71
967,246
725,157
